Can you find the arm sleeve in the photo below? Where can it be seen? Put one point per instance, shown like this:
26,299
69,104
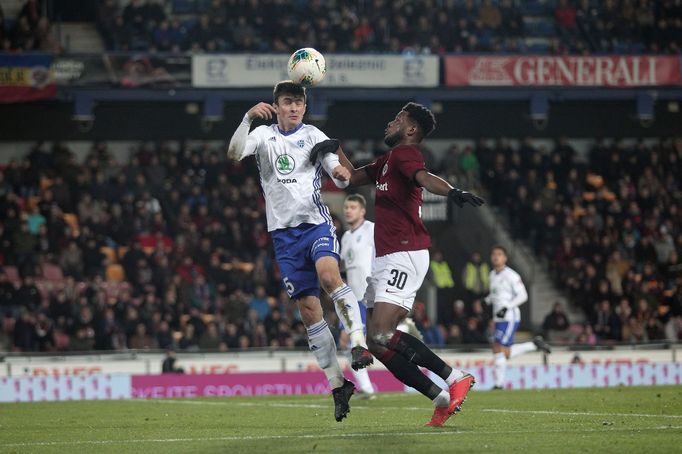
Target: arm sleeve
243,144
330,161
410,161
519,292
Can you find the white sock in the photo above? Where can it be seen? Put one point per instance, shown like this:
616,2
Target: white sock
322,345
500,369
442,399
455,375
365,384
348,310
520,349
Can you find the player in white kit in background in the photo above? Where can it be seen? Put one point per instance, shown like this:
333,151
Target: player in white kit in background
357,255
507,293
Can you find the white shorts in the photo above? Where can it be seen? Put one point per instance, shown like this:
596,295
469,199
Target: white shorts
396,278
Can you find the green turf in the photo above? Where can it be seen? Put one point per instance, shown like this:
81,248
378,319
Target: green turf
639,419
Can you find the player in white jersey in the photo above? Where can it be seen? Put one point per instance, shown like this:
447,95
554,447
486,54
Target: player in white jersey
357,255
507,293
302,231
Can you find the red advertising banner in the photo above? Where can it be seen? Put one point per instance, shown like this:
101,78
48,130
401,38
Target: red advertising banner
255,384
537,71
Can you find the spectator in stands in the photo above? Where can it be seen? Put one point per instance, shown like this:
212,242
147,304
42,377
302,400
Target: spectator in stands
445,284
556,324
169,364
141,340
475,276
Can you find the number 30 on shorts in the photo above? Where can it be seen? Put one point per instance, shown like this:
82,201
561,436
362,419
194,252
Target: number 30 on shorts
398,279
288,285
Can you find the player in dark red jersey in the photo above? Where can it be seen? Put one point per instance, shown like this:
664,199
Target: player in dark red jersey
402,258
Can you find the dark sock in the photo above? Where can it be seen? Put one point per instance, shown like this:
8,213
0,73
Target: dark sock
418,353
410,374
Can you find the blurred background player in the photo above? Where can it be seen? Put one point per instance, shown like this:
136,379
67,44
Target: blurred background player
507,293
302,231
357,255
402,258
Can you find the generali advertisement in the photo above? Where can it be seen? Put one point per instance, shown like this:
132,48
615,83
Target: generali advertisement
573,71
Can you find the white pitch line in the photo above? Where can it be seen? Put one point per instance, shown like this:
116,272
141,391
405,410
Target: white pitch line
435,432
378,407
282,405
578,413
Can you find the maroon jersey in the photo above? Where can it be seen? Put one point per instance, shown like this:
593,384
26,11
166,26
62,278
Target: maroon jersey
398,225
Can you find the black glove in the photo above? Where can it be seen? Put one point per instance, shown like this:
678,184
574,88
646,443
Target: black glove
322,148
461,197
501,312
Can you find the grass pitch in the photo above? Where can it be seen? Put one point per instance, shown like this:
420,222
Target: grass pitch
638,419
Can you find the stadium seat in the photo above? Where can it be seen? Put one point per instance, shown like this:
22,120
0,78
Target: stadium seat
52,272
110,254
12,273
72,221
122,251
115,273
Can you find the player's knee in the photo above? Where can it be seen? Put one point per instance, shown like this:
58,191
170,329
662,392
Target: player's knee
329,280
378,342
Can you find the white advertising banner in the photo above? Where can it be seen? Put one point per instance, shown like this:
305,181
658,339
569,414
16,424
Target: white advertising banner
227,363
92,387
343,70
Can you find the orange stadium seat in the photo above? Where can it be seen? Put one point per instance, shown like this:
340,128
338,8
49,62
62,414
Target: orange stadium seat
72,220
115,273
110,254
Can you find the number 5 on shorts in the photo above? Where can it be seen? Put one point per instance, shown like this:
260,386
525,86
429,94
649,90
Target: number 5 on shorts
289,286
398,279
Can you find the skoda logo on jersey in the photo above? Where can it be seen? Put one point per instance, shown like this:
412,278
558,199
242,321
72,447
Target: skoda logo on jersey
385,169
301,143
285,164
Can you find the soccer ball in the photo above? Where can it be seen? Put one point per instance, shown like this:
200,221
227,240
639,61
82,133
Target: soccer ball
306,67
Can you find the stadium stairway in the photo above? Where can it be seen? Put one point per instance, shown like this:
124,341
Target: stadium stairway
79,37
11,8
480,229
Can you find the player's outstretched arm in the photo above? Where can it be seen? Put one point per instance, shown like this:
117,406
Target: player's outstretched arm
436,185
359,176
238,147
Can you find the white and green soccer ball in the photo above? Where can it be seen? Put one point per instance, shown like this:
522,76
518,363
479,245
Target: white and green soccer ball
306,67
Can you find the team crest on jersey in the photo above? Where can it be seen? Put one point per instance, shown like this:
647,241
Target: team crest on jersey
301,143
285,164
385,169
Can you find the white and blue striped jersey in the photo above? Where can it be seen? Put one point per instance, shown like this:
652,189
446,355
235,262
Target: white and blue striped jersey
506,290
291,184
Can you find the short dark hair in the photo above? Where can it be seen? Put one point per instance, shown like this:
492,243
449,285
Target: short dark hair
357,198
422,116
287,87
501,248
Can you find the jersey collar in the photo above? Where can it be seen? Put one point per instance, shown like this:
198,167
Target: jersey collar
288,133
356,228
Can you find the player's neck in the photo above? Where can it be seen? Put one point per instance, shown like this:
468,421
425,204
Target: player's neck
354,226
290,129
407,141
498,269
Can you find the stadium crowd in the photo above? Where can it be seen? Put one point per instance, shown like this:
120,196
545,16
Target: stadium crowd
29,31
609,227
561,26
